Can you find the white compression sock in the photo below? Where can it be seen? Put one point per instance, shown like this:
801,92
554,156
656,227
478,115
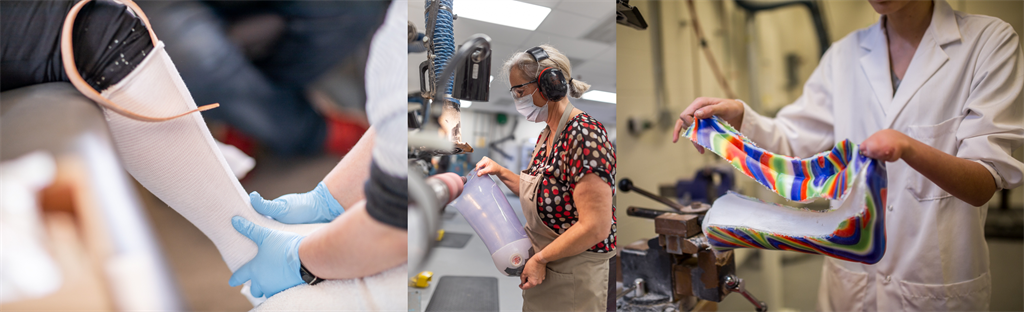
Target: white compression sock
179,162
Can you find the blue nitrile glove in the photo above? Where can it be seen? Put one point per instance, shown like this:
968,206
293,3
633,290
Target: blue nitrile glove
316,206
276,265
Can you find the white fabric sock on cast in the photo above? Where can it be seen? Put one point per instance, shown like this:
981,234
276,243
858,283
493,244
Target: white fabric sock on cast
180,163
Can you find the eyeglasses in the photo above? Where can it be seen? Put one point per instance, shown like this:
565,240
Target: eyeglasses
514,88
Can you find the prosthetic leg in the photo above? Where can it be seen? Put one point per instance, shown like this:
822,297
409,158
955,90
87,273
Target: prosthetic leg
170,151
484,205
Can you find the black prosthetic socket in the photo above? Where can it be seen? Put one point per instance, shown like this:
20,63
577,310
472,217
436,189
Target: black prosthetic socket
108,40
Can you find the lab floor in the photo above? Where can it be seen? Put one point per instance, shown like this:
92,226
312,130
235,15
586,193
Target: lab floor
471,260
201,275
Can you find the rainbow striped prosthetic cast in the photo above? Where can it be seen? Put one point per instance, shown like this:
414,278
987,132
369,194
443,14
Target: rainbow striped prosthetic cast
853,229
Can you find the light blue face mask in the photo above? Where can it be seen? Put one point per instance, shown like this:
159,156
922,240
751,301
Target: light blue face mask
524,104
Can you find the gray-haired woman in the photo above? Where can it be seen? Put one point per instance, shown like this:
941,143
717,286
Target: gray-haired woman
566,192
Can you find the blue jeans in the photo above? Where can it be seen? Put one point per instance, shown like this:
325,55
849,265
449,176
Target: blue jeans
263,98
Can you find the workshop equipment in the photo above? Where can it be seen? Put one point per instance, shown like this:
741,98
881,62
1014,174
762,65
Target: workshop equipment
473,77
421,280
465,293
702,188
676,271
626,185
628,15
427,196
471,60
468,64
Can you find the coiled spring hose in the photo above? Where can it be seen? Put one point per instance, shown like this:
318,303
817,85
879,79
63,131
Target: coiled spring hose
443,41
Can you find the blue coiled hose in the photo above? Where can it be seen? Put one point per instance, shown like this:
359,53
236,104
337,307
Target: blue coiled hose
444,41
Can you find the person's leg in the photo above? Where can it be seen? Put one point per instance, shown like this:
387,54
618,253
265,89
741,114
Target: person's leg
216,70
29,32
108,42
178,160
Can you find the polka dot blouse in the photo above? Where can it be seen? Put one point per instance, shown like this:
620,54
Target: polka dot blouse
581,149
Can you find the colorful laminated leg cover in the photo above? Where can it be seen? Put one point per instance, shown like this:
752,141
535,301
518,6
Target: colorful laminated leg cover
179,162
853,229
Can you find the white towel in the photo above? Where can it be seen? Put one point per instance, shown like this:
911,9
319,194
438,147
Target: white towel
385,291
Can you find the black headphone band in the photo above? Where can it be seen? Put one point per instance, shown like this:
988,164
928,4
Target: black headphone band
538,54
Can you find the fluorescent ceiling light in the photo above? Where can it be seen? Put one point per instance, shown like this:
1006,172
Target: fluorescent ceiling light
599,96
503,12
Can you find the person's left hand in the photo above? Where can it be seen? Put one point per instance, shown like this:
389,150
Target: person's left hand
533,274
886,145
276,265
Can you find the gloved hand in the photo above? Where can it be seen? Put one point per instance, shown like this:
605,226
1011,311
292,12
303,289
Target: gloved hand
276,265
316,206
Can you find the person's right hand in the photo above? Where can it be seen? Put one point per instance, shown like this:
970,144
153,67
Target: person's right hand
276,264
702,107
488,166
316,206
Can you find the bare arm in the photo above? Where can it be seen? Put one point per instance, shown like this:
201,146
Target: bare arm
346,180
967,180
593,200
964,179
353,245
511,180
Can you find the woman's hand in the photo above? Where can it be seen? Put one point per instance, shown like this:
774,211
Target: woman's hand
886,145
702,107
509,178
488,166
533,274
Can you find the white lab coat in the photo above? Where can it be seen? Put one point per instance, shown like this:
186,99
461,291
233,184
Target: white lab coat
962,95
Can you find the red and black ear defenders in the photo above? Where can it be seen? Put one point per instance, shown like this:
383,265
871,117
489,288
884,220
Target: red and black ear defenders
550,80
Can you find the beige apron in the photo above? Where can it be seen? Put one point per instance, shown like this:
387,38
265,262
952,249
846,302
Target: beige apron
575,283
